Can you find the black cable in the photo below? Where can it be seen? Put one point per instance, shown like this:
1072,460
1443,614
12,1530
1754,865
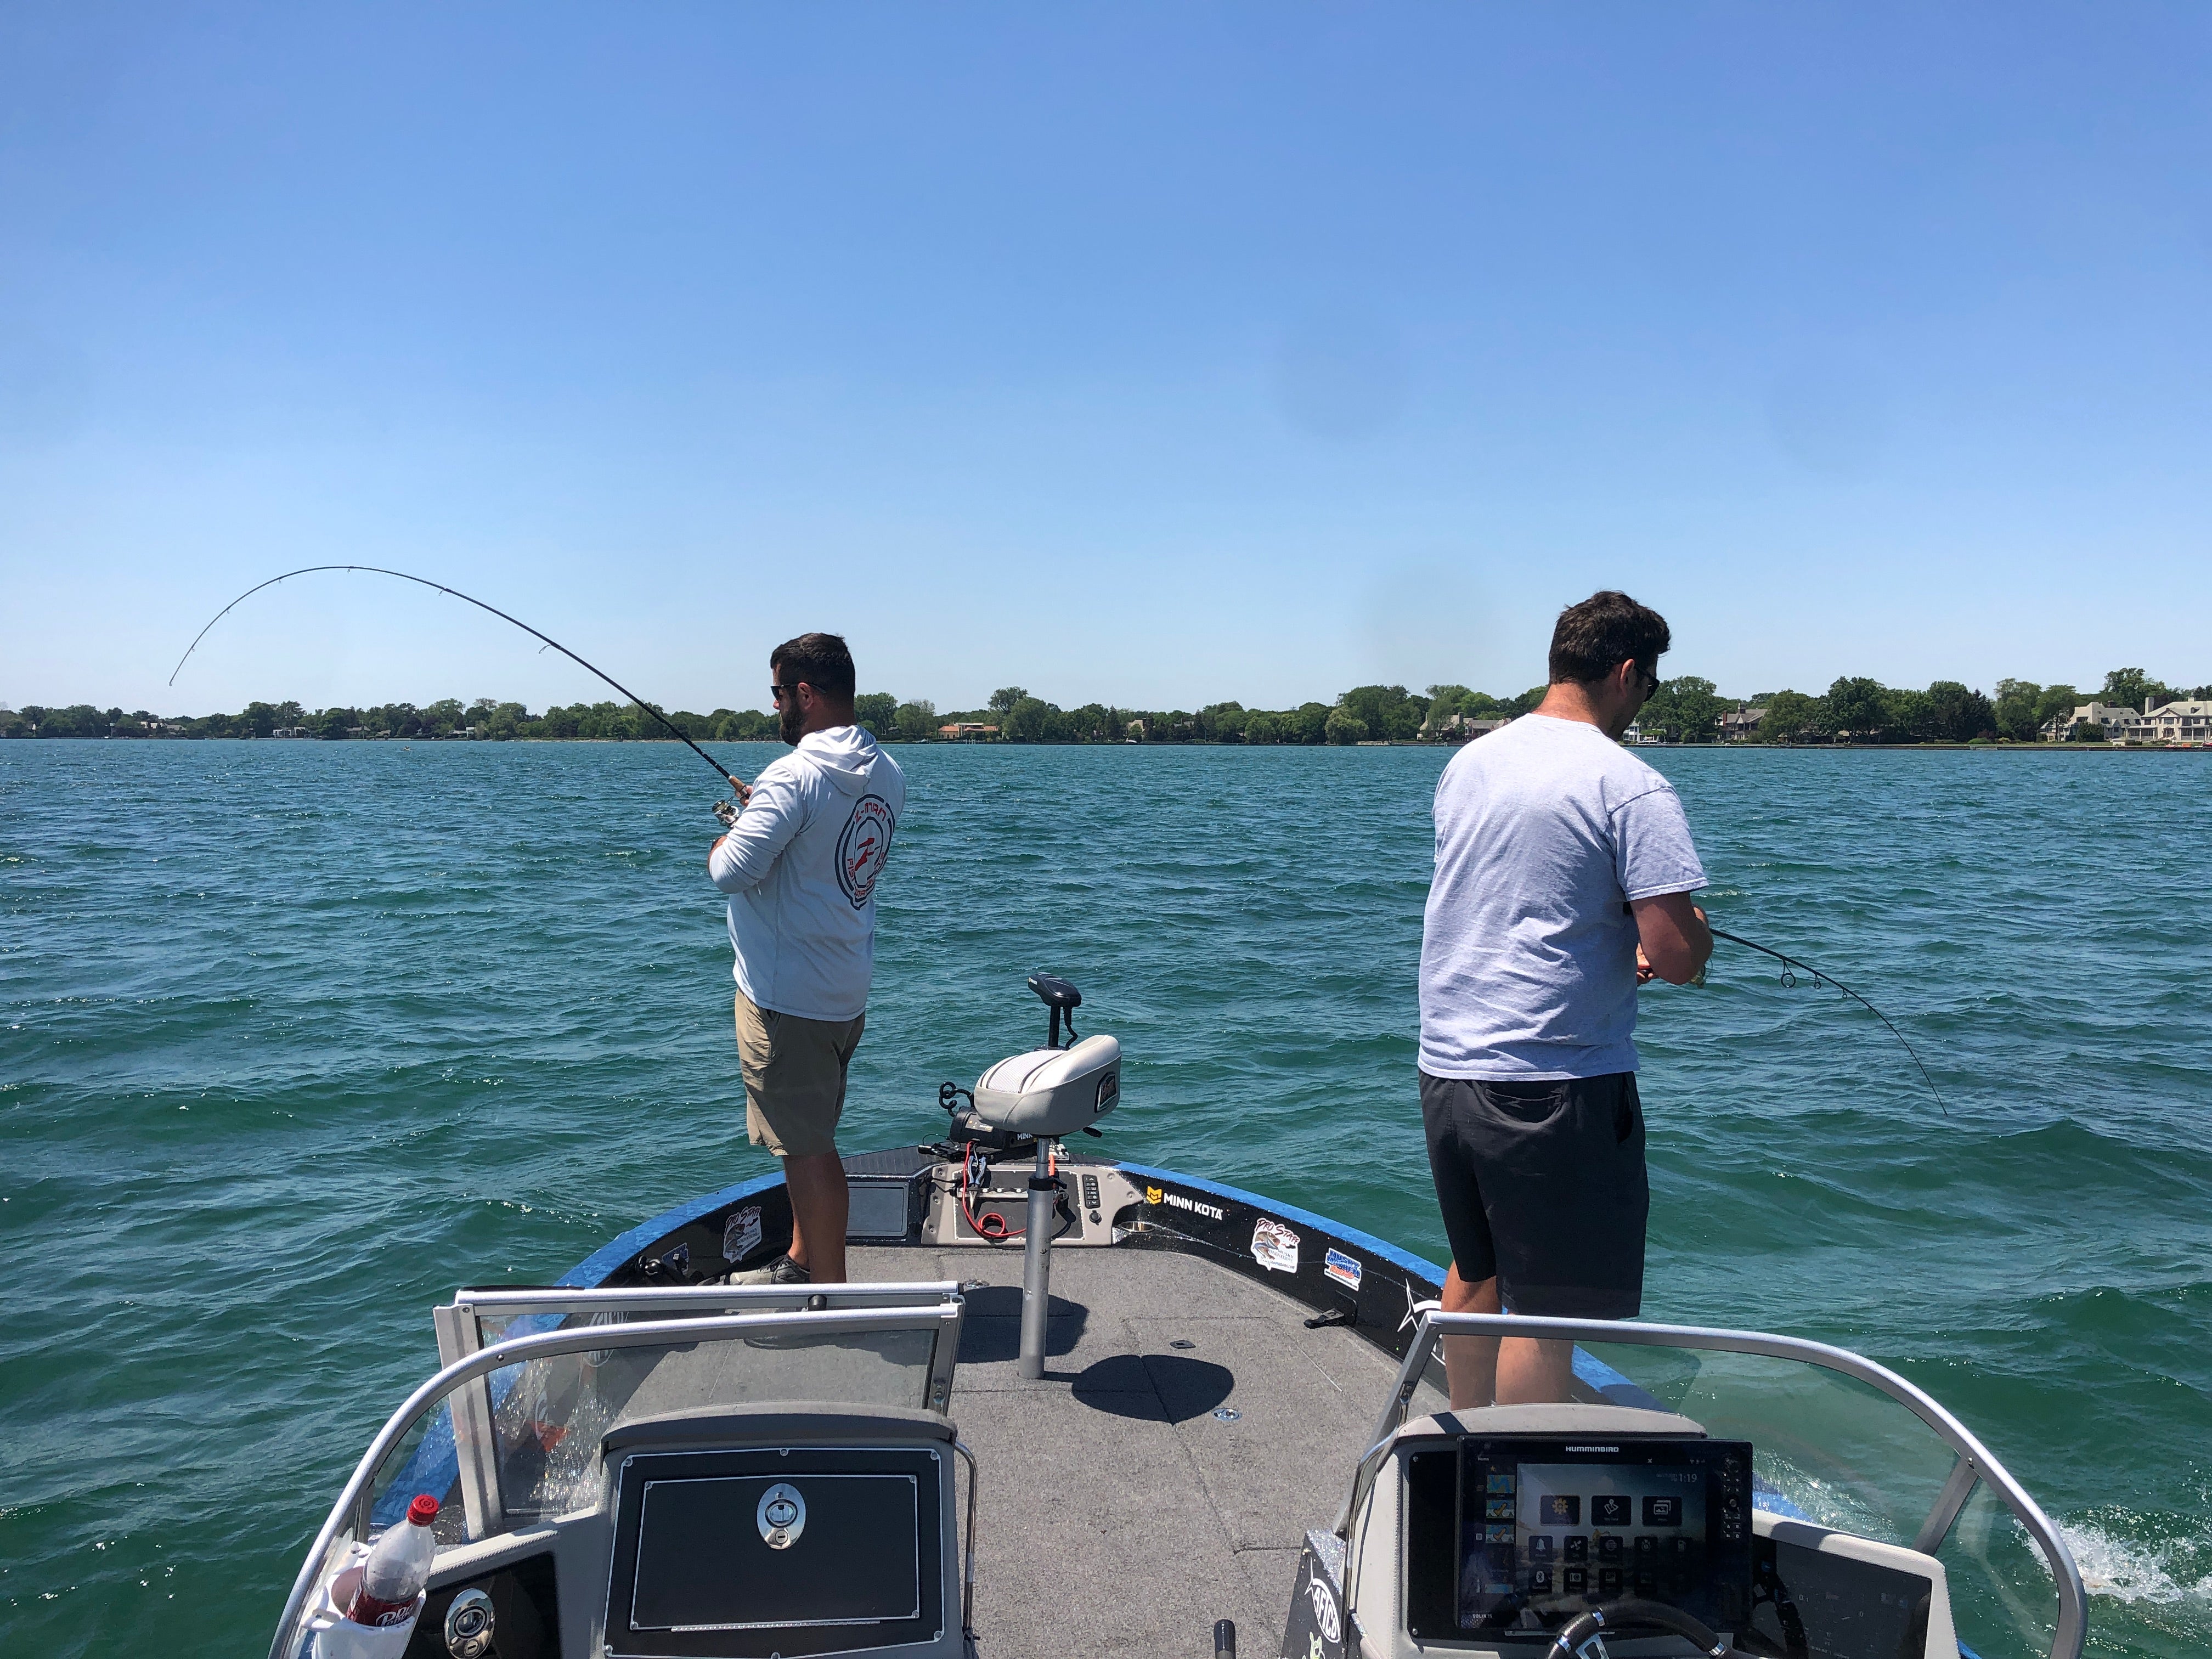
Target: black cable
1790,979
424,581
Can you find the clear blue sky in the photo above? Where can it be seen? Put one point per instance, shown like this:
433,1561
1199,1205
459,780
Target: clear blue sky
1151,354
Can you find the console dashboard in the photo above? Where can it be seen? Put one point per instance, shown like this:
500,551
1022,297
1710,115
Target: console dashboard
1509,1537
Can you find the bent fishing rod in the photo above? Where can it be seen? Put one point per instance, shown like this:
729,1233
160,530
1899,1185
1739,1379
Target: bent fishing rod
1791,967
424,581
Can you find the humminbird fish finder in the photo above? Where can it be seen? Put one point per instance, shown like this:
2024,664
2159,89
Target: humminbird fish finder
1509,1537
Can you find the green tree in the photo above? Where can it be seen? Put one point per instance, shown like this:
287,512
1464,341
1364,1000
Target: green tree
1222,722
1685,709
2087,732
1260,728
1387,711
1345,727
2014,709
2056,702
1793,717
916,721
1308,723
1907,717
1028,721
2127,688
1004,699
1857,710
878,711
1958,715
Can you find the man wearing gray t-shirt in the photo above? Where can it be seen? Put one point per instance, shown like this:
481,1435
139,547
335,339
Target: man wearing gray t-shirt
1563,876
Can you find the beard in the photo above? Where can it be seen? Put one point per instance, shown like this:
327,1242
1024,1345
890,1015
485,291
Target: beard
787,719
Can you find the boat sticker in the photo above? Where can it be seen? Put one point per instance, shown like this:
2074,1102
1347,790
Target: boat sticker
1275,1246
1343,1268
1211,1212
741,1233
1153,1195
1324,1607
861,850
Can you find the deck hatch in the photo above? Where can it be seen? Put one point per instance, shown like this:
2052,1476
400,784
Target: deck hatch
695,1576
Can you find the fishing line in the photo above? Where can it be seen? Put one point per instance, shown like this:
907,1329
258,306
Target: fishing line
424,581
1791,967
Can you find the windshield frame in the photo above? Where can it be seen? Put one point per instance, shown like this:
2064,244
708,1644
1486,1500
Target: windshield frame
1975,1465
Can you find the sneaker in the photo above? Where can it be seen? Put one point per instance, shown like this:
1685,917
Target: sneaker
781,1271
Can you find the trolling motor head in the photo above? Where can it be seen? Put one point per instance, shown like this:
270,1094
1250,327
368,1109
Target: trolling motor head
1053,1092
1063,999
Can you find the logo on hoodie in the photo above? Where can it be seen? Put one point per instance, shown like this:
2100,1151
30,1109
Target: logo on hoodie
863,848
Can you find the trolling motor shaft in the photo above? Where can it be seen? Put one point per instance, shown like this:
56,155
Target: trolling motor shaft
1047,1093
1037,1261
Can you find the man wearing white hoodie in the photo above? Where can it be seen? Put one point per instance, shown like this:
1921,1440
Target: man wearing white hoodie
800,866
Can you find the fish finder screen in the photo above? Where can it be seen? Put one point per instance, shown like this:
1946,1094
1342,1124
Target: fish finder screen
1543,1537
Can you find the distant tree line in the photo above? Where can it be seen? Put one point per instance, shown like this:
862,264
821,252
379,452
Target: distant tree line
1686,709
1859,710
448,718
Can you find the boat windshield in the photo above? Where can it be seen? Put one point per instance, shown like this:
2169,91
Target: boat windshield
1839,1442
509,1435
1835,1450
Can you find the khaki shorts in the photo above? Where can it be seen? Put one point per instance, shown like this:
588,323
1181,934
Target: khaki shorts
795,1071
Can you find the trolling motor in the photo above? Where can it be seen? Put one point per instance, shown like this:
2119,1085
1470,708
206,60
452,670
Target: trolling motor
1042,1096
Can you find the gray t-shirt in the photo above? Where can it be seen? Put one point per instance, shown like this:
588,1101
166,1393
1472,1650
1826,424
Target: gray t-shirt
1544,829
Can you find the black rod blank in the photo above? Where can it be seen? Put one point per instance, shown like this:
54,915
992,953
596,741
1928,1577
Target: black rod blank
1791,967
424,581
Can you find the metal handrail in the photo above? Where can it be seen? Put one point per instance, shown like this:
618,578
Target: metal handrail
353,1498
1976,1462
872,1294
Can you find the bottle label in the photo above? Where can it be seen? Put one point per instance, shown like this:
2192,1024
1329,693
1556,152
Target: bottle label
368,1609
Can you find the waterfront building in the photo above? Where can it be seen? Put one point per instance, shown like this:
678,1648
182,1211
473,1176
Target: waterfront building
974,730
2110,717
1738,725
2189,720
1461,728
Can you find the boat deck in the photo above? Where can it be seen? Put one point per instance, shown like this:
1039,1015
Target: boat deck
1118,1514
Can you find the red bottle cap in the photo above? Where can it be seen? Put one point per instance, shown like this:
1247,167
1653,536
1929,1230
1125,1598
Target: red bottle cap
423,1510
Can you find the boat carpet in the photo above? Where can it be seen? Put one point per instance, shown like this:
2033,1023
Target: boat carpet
1121,1510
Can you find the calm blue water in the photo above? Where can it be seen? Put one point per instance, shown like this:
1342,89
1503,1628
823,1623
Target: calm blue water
296,1037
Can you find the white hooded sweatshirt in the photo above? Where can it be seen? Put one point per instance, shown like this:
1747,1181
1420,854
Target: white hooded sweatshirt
800,868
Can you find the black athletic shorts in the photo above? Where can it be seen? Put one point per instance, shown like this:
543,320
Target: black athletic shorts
1542,1186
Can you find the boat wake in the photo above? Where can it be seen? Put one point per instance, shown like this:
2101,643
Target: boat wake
2137,1570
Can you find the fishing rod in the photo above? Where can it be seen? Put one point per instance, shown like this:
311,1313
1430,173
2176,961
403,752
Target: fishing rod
1791,967
424,581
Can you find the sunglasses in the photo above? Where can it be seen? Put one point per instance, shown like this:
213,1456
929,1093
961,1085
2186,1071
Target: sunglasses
778,693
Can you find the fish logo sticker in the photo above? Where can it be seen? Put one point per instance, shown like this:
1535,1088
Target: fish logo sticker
1325,1615
1275,1246
741,1234
863,848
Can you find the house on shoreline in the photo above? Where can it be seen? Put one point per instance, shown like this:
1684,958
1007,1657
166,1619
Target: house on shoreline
2185,720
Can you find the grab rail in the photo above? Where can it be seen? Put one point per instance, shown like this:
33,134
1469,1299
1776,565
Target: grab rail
353,1501
1976,1462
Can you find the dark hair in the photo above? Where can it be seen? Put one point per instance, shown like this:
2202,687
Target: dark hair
1604,631
820,660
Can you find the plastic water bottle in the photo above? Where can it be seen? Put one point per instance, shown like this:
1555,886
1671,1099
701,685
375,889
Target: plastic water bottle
397,1567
